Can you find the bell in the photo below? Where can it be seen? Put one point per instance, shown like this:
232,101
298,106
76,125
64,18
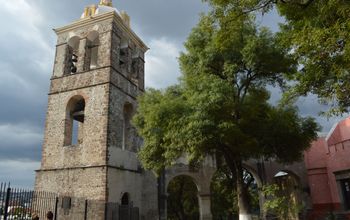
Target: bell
73,69
78,116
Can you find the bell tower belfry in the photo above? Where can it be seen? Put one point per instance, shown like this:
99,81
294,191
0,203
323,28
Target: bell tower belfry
89,148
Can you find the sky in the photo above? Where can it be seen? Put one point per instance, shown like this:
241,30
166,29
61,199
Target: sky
27,52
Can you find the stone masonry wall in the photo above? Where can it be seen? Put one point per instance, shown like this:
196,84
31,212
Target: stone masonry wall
88,183
97,168
92,151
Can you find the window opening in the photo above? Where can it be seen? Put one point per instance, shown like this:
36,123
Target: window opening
75,121
345,185
75,131
91,51
123,53
71,55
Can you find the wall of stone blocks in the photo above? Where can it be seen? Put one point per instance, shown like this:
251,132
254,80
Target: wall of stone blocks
96,169
141,187
123,181
133,69
122,92
88,183
104,28
81,208
92,151
149,197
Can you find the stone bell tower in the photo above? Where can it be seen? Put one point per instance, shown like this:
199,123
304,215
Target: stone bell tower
89,149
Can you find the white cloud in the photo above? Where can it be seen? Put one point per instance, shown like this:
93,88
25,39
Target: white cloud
18,173
23,21
22,28
19,135
162,68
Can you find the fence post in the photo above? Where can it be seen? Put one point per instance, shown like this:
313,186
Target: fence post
56,206
7,201
85,210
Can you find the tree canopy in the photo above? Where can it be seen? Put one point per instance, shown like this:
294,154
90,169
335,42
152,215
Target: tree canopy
317,35
220,106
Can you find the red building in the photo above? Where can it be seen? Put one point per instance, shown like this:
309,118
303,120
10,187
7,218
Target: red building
328,166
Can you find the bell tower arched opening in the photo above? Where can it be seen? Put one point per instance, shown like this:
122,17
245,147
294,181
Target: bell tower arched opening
74,122
71,55
91,51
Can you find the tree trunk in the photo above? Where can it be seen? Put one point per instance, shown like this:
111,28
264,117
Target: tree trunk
242,194
234,163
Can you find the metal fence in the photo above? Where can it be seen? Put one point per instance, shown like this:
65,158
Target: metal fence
20,204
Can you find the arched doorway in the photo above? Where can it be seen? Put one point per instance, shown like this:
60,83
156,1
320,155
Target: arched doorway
224,197
125,200
182,201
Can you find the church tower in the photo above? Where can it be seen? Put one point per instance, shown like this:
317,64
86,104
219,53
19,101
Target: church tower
89,148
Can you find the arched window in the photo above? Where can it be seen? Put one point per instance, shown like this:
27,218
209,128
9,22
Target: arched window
124,53
91,50
71,55
74,124
127,128
125,199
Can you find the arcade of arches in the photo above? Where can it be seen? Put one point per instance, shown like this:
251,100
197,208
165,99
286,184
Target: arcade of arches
194,194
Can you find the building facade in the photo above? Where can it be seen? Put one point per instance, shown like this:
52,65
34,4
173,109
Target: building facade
89,149
328,166
89,155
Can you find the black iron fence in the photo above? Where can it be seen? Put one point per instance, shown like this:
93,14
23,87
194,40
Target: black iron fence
20,204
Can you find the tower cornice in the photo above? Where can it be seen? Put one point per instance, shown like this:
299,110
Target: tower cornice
102,17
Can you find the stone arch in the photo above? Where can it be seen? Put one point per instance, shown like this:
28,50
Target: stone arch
201,177
291,187
181,189
73,43
254,173
124,55
259,183
257,209
182,174
71,55
125,199
91,50
74,121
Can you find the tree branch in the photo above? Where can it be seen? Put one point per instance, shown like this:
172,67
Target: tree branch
259,7
304,5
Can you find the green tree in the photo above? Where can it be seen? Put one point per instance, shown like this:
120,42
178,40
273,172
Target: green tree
221,105
224,196
279,203
317,34
183,199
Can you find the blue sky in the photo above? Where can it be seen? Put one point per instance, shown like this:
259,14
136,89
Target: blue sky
26,59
